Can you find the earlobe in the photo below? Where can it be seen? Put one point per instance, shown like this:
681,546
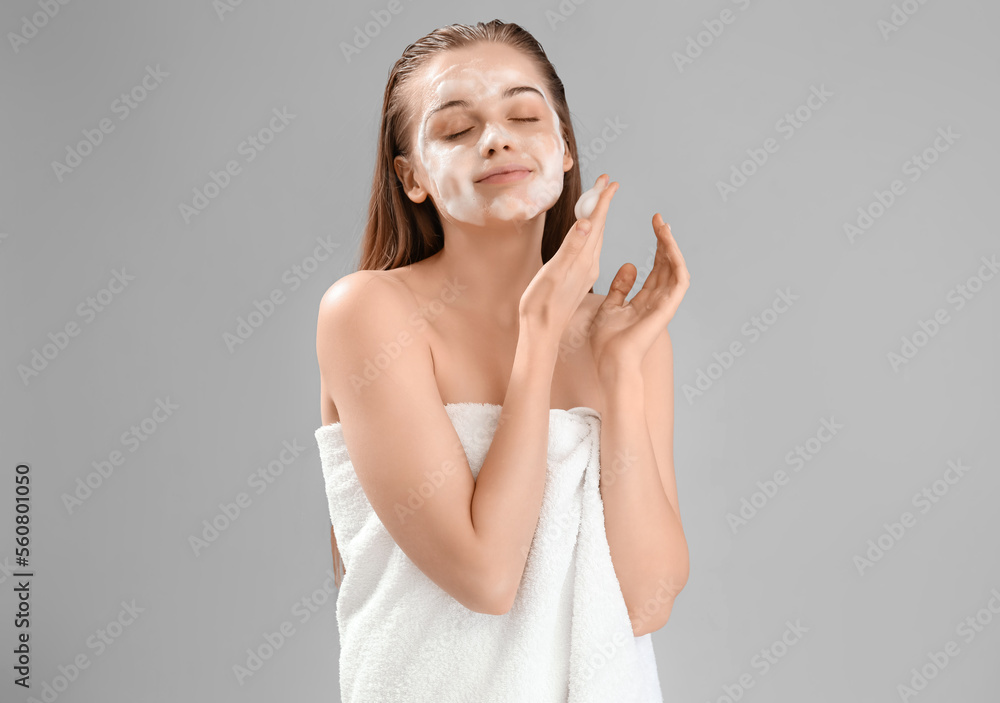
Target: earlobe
414,191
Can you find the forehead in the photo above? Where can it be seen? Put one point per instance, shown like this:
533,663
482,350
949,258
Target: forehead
475,72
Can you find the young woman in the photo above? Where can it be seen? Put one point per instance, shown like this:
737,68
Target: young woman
462,357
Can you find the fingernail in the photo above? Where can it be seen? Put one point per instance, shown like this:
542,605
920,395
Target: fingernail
583,226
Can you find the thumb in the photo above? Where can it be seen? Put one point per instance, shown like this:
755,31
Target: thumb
621,285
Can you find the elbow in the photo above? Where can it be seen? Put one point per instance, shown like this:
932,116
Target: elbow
647,623
493,595
653,616
499,606
498,594
490,601
655,611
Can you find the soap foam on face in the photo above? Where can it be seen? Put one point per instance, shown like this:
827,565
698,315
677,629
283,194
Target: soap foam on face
451,168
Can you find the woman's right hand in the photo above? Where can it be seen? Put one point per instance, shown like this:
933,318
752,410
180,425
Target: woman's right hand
554,294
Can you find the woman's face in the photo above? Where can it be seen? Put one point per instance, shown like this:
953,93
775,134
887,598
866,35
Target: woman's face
477,109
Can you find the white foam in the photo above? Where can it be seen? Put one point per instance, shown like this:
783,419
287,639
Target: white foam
588,201
452,167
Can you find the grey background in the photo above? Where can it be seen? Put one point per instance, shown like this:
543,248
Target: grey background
825,357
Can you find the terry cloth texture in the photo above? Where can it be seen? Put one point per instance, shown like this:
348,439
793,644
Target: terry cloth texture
566,639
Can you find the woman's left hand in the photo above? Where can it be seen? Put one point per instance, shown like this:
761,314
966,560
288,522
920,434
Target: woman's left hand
622,332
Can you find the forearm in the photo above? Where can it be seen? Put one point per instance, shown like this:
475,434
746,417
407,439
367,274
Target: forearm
507,500
645,536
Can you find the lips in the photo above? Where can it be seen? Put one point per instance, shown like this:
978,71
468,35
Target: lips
509,168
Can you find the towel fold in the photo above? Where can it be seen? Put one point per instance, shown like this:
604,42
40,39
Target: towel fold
567,637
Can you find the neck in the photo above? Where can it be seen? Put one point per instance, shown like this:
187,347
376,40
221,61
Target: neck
494,264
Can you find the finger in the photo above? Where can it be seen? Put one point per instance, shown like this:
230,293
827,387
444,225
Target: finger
655,315
659,273
603,178
661,263
666,284
666,306
584,226
600,212
668,298
598,218
674,252
599,185
621,285
669,264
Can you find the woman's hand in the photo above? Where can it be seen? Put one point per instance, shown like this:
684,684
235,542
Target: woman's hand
621,333
556,291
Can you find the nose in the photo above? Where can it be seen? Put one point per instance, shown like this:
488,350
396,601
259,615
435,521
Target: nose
495,138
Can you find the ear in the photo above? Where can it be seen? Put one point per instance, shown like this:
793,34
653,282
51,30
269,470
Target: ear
405,172
567,157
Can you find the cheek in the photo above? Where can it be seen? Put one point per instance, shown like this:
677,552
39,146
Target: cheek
550,147
549,150
556,147
446,170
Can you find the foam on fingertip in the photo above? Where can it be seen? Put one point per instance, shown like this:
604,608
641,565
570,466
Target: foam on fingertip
588,201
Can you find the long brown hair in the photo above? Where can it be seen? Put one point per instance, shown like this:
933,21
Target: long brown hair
400,232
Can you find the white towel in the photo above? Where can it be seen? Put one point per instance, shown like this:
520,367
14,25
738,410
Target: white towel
567,637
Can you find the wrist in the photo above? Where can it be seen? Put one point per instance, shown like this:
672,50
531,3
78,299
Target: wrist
534,344
621,390
620,384
616,372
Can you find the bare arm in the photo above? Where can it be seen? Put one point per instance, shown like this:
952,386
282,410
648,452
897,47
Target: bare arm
507,500
648,547
470,538
645,534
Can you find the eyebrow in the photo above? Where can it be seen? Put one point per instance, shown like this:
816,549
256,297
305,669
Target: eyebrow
508,93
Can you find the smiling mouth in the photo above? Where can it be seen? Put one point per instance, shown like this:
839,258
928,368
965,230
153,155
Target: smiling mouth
507,177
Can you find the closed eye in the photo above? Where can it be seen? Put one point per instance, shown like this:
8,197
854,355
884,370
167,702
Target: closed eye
451,137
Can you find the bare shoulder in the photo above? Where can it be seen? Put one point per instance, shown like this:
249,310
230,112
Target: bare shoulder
353,288
364,298
358,314
360,308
